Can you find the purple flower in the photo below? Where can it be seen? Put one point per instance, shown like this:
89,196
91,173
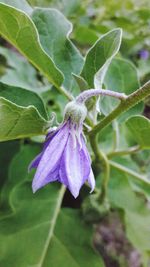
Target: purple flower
64,158
144,54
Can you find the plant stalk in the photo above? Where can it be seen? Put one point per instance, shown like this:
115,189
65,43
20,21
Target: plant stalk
125,105
84,96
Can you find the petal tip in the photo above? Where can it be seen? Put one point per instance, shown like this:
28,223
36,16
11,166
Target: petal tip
91,181
35,187
74,193
34,190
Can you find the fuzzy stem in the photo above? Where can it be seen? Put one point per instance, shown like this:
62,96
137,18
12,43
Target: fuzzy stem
128,103
96,92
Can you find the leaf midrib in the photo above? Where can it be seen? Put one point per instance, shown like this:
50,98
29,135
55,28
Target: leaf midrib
52,226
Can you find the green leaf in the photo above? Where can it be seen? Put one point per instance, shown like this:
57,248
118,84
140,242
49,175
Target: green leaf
84,35
22,5
139,127
8,150
66,7
53,240
19,72
17,173
138,232
54,30
17,28
122,77
99,57
137,168
75,244
22,97
132,170
69,8
136,214
120,193
81,82
20,122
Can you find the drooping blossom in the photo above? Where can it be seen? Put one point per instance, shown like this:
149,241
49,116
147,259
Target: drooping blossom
65,157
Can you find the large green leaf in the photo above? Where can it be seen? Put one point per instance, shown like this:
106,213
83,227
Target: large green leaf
136,214
8,150
84,35
139,127
22,97
23,5
19,72
35,232
66,7
20,31
54,30
19,122
136,166
120,191
75,246
122,77
139,231
99,57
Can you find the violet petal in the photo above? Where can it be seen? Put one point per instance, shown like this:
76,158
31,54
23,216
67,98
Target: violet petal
38,183
35,162
51,158
74,167
91,181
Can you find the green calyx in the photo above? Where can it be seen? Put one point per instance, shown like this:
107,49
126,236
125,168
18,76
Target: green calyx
76,112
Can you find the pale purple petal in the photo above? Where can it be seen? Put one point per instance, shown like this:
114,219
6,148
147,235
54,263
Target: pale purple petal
51,158
74,167
85,149
35,162
64,158
51,134
49,138
91,181
51,177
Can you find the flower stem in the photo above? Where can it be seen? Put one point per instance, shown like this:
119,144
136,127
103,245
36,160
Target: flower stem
96,92
128,151
101,157
126,104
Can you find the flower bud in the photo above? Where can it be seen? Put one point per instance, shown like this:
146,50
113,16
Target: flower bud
76,112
